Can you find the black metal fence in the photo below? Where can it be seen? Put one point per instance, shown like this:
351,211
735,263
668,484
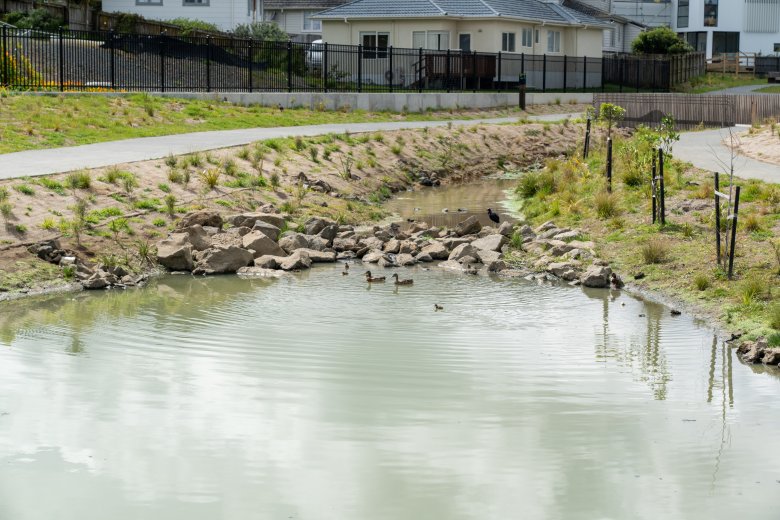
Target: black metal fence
82,60
652,72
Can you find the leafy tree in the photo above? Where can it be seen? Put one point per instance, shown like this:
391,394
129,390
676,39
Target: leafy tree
610,115
36,19
189,26
661,40
263,31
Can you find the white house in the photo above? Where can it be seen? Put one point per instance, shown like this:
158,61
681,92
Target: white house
714,26
296,17
225,14
650,13
620,31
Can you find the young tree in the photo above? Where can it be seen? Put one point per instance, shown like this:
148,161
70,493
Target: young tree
610,115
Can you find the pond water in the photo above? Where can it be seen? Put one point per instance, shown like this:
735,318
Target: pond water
316,396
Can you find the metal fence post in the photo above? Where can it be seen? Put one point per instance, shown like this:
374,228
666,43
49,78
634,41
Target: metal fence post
419,71
653,191
584,73
162,62
251,64
289,66
586,144
636,65
360,68
609,164
733,233
325,67
500,89
565,64
208,63
662,202
544,72
390,77
522,63
717,218
447,71
6,80
475,72
111,45
61,60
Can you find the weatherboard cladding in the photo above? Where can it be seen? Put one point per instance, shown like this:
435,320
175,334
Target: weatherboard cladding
523,9
278,5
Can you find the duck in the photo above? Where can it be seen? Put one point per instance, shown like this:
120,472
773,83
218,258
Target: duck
370,278
346,270
437,307
398,281
470,270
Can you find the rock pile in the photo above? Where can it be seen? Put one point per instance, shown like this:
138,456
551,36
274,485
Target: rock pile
759,351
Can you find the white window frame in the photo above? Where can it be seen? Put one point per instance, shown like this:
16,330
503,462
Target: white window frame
149,2
195,3
553,42
527,35
425,37
315,26
508,38
376,51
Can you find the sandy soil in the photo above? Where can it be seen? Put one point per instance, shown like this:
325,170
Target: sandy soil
381,163
762,144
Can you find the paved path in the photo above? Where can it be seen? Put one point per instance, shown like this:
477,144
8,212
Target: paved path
60,160
744,89
706,150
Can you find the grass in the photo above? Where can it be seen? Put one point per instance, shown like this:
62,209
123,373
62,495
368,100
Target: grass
655,252
713,81
76,119
774,89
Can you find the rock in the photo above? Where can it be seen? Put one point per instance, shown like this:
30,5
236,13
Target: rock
211,230
240,231
259,272
526,231
373,256
469,226
268,262
461,251
490,242
408,247
771,356
226,239
405,259
329,232
292,241
198,237
316,242
436,250
175,252
560,248
392,246
487,257
96,281
261,244
754,351
453,242
505,229
579,244
371,243
250,219
296,261
319,256
496,266
67,260
424,257
596,276
452,264
314,225
550,233
344,244
201,218
222,259
545,227
468,260
267,229
417,227
567,235
386,262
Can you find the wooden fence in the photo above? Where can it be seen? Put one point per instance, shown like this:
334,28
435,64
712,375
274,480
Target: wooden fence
691,110
112,21
76,16
652,71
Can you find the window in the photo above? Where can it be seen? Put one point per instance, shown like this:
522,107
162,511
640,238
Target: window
609,37
528,35
464,42
710,13
148,2
374,44
777,47
536,36
436,40
553,41
682,13
310,25
508,42
195,3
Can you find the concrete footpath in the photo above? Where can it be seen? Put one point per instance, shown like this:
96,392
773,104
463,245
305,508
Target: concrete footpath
59,160
706,150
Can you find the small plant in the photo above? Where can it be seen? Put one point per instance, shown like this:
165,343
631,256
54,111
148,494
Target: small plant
274,180
229,166
300,145
752,222
751,290
702,282
313,154
3,194
396,149
113,174
346,161
6,210
48,224
195,160
164,187
210,177
21,229
159,222
687,230
170,205
116,227
611,115
129,182
175,176
79,180
145,252
171,161
606,205
51,184
25,189
68,271
243,154
774,316
775,245
655,251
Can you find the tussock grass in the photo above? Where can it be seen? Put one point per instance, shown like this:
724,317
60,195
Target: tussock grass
655,251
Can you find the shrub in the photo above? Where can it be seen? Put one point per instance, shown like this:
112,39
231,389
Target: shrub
750,290
210,177
170,205
774,316
164,187
752,222
633,178
230,167
606,205
701,282
263,31
175,176
48,224
159,222
79,180
129,182
171,161
190,26
661,40
275,180
25,189
655,251
6,210
3,194
52,185
113,174
611,115
36,19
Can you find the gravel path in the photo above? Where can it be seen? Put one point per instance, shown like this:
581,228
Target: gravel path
98,155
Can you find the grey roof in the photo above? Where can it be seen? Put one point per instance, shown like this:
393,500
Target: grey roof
520,9
277,5
594,12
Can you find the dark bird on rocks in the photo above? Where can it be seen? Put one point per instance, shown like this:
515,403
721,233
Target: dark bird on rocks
493,216
675,312
615,281
437,307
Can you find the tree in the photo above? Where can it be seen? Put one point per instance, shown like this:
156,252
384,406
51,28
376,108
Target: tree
262,31
611,114
661,40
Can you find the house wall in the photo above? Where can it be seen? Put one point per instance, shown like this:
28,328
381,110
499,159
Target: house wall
291,22
226,14
731,18
648,12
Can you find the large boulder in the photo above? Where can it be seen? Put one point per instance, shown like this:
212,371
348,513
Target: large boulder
563,270
202,218
316,242
371,243
175,252
344,244
462,251
392,246
408,247
505,229
469,226
436,250
486,256
314,225
317,256
250,219
374,256
269,261
596,276
405,259
490,242
329,232
292,241
771,356
296,261
267,229
261,244
222,259
198,237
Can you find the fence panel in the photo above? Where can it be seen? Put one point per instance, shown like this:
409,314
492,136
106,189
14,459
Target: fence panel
689,111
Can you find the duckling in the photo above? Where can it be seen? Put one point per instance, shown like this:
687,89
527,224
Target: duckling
408,281
370,278
346,270
470,270
437,307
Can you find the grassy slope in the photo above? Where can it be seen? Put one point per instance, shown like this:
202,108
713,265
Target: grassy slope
713,81
34,122
774,89
570,199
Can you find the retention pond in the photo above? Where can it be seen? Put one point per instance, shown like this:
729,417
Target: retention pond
316,396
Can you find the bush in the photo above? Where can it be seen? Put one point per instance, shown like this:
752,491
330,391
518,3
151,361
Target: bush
655,252
37,19
701,282
263,31
606,205
78,180
210,177
190,26
661,40
774,316
751,290
752,223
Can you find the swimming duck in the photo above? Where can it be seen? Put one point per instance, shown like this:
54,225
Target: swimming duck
470,270
346,270
408,281
437,307
370,278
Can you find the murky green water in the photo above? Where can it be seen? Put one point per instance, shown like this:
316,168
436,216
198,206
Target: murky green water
317,397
